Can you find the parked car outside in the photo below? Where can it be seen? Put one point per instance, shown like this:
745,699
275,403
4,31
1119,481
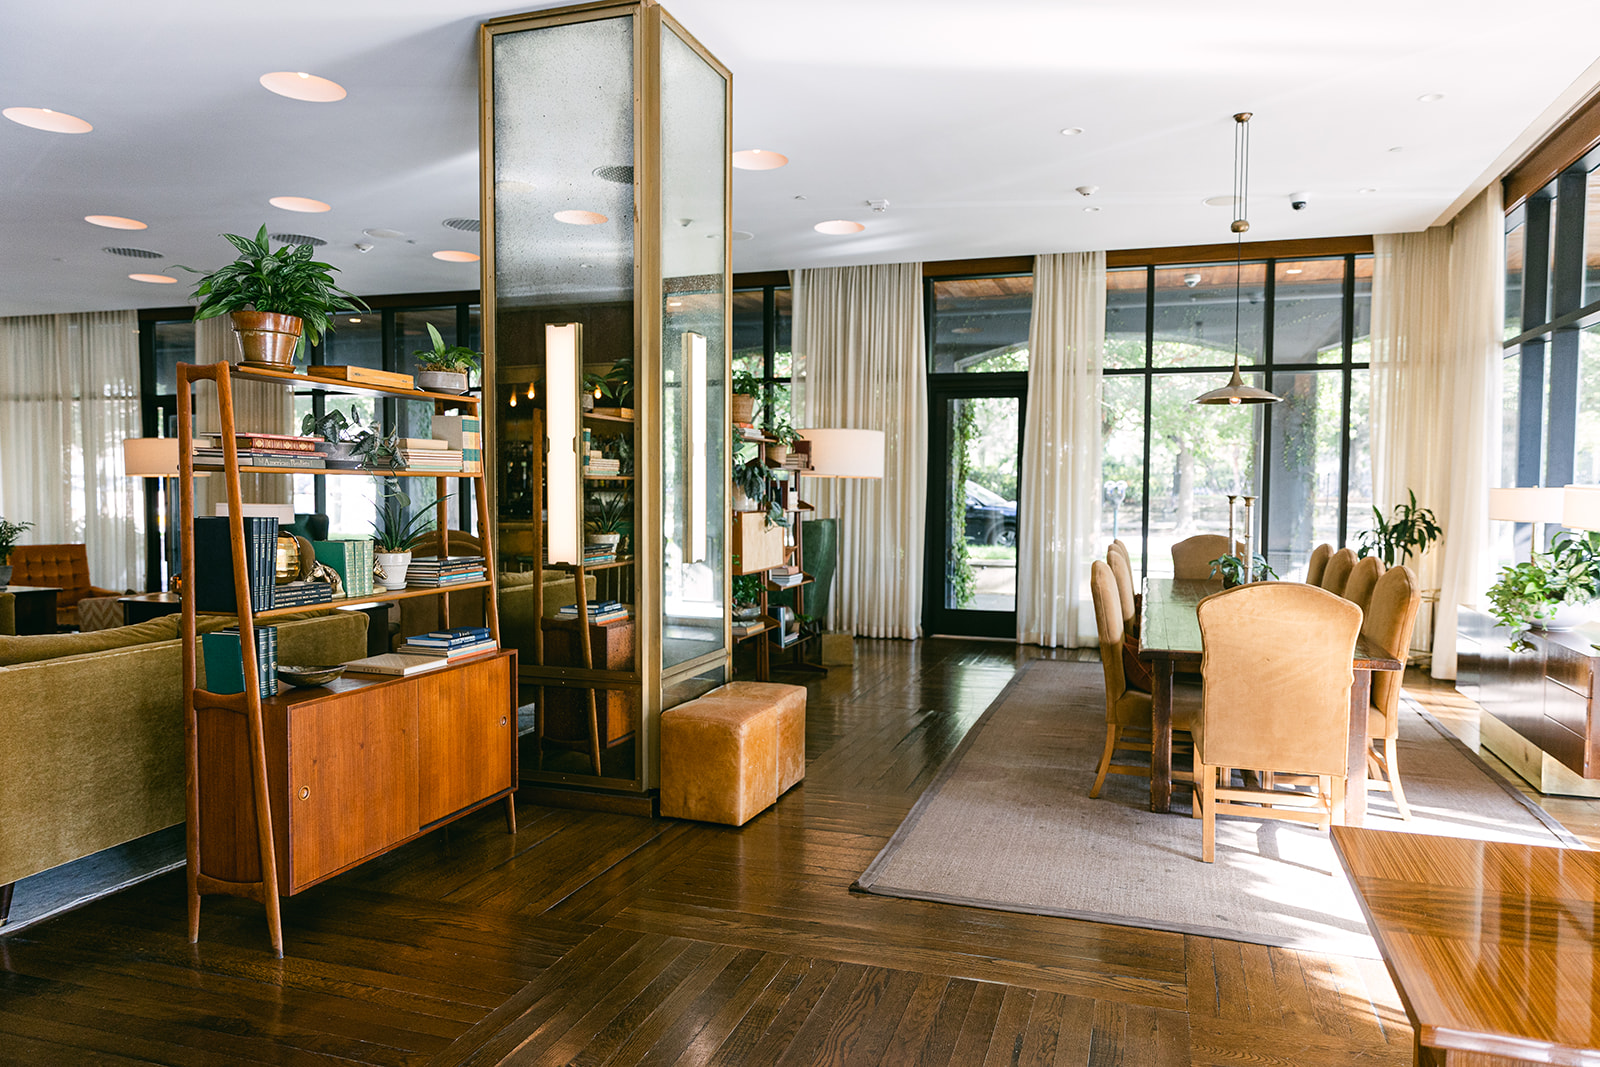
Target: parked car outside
991,518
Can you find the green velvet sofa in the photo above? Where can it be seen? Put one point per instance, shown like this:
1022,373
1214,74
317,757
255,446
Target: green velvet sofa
93,728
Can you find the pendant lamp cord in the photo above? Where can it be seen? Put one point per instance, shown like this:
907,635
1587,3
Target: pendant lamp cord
1241,203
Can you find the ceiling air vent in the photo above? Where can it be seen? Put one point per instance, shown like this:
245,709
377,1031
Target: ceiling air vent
622,175
297,239
134,253
464,225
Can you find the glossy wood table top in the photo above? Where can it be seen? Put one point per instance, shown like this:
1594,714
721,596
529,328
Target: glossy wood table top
1495,947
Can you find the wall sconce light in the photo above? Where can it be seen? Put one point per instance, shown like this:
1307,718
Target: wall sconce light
563,348
695,414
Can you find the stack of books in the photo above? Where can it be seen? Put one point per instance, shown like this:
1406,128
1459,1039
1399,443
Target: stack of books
746,627
596,552
434,572
224,660
299,594
213,563
786,577
463,432
748,431
351,559
450,644
264,450
596,465
394,664
600,611
428,454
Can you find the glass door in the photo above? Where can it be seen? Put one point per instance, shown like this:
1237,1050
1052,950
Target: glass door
974,504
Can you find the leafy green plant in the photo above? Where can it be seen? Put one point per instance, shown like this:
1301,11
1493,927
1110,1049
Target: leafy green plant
746,384
756,480
285,282
1569,573
393,532
1410,532
611,514
1231,570
781,431
458,359
747,589
9,532
331,426
378,452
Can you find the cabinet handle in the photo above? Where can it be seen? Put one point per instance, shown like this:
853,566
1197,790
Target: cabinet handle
305,792
502,720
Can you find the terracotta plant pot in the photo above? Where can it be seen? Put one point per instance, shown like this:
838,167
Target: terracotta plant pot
266,340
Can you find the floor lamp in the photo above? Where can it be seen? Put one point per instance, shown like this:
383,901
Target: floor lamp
842,453
157,458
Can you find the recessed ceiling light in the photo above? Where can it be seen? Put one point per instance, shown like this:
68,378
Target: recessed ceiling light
1072,131
355,319
115,222
580,218
838,227
1398,148
298,85
674,303
800,196
1365,191
1430,98
299,203
1090,210
42,118
742,235
154,279
453,256
1218,201
1292,270
377,231
759,159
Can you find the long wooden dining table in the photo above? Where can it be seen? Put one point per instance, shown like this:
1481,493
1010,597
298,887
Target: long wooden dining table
1169,640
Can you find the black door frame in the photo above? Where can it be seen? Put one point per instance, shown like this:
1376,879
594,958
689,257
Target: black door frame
943,388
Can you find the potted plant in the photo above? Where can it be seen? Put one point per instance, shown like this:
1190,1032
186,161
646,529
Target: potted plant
755,489
274,298
746,392
9,532
374,451
783,437
1550,590
333,428
610,520
1409,533
445,368
395,535
1231,570
746,596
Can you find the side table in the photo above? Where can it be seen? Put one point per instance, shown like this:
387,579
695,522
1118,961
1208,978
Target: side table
36,608
147,606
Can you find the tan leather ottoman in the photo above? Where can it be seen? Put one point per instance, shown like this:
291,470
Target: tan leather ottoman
719,760
788,702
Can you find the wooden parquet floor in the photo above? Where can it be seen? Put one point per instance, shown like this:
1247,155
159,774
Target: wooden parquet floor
605,939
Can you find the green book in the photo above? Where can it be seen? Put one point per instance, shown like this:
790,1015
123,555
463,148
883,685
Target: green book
351,558
225,662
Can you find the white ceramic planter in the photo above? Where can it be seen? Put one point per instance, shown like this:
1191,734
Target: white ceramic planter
442,381
1567,617
395,565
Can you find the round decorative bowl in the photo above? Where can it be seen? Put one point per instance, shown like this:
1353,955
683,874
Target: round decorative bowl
309,676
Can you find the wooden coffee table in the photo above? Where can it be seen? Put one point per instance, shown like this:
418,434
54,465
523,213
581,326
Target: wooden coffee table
36,608
1494,947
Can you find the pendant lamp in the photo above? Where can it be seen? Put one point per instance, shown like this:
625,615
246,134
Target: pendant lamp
1236,391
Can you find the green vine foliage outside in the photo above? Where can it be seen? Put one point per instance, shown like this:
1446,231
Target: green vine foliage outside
959,577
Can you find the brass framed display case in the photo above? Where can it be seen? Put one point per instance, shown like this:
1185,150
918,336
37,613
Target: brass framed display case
606,221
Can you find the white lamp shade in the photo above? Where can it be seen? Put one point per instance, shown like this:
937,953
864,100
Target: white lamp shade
1527,504
563,346
841,453
150,457
1581,507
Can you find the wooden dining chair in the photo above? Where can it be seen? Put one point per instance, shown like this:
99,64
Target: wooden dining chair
1191,557
1276,663
1388,624
1318,563
1122,571
1337,573
1127,709
1363,576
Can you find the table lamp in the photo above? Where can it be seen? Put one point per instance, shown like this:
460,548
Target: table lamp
1580,507
1532,504
157,457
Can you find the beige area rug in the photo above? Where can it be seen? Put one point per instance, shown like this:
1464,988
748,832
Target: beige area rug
1008,824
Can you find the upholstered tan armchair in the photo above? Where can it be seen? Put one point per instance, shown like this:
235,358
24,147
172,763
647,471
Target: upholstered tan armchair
1363,577
1191,557
1122,571
64,566
1277,672
1337,572
1127,710
1318,563
1388,623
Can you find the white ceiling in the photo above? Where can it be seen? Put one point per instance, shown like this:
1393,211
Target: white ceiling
949,110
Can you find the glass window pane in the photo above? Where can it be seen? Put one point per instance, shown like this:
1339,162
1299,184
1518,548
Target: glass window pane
981,324
1510,393
1122,462
1591,239
1303,463
1197,317
355,341
1514,246
981,540
1361,332
174,343
1359,502
749,331
1125,306
1308,311
1586,470
783,357
1198,455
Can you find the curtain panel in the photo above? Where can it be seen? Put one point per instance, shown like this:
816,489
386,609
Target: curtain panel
860,363
1438,303
69,397
1061,451
260,406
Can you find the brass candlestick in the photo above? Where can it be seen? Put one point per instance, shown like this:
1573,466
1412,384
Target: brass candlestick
1232,549
1249,541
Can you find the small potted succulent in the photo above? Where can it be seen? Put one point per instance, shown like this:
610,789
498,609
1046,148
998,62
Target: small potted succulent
274,299
395,535
9,532
445,368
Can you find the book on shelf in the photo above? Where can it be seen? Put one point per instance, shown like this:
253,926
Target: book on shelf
224,660
351,559
746,627
613,413
452,652
364,376
297,460
395,664
213,562
277,442
787,630
299,594
783,568
458,633
415,582
786,581
749,431
432,444
463,432
216,457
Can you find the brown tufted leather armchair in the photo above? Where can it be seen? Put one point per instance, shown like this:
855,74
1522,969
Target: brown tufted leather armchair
63,566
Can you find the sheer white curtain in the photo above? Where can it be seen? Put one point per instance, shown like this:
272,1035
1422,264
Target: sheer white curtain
1437,311
69,397
860,363
259,406
1061,451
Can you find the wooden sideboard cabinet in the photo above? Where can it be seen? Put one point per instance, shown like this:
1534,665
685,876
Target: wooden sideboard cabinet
357,767
1538,703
